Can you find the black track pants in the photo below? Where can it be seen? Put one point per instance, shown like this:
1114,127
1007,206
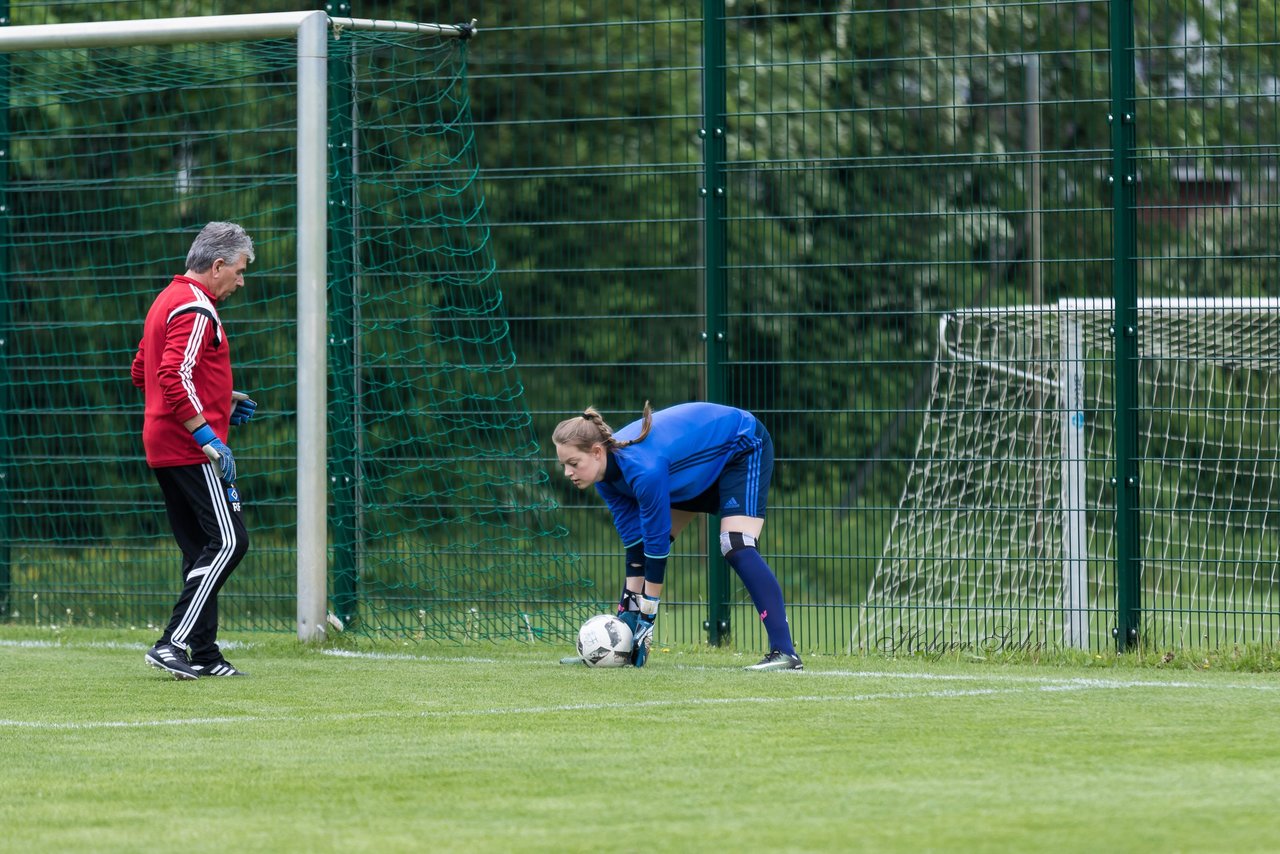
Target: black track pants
205,516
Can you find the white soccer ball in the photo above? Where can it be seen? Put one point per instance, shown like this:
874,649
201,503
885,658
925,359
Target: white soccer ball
605,641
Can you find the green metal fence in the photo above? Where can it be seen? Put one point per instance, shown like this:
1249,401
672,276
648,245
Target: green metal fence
999,278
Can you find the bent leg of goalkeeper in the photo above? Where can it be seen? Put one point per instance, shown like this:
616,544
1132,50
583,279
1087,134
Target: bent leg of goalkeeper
738,537
639,610
642,593
646,616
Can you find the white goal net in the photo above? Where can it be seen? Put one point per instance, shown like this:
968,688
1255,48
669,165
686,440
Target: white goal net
1004,533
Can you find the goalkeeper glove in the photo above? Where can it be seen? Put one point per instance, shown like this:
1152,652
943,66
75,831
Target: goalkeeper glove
631,618
629,609
243,409
648,614
217,451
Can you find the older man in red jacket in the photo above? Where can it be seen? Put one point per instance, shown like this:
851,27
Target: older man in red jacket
184,365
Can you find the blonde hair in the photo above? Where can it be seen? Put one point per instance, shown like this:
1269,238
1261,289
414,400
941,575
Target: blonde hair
583,431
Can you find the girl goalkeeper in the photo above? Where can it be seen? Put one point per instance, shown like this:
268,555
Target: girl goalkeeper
655,474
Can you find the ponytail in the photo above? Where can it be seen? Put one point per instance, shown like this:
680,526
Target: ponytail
589,429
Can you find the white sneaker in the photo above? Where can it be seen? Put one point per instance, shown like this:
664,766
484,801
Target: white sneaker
221,667
776,660
167,656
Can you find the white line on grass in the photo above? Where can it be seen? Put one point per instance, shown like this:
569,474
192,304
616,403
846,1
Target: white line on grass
404,656
808,674
945,693
53,644
1035,680
44,644
845,674
120,724
518,710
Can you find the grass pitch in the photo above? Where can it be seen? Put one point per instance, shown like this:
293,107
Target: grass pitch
500,748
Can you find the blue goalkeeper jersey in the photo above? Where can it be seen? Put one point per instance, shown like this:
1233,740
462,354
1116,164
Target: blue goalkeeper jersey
682,457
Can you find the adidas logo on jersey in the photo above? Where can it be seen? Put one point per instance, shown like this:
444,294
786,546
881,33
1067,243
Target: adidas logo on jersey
731,504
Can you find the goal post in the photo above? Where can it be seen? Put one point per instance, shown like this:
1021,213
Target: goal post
125,137
1071,423
1003,539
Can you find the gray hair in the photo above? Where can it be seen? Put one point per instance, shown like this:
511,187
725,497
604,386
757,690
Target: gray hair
224,240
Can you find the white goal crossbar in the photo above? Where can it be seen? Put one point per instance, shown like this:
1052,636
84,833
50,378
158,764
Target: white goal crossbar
312,32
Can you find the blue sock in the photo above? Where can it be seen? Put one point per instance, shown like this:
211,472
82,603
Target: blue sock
765,592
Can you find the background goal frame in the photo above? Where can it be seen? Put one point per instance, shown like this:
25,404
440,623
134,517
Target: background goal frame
941,582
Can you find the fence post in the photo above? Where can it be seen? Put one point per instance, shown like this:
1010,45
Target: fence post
715,249
1123,118
344,330
6,344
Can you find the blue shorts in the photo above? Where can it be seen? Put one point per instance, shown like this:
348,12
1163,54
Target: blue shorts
743,487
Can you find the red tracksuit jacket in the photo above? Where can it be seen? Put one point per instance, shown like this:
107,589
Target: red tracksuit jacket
184,364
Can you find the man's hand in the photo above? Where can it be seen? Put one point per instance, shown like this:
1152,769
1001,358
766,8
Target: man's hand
217,452
244,408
